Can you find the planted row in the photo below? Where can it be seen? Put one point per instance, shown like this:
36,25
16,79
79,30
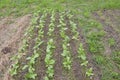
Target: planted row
73,26
49,61
67,62
84,62
51,25
36,50
28,36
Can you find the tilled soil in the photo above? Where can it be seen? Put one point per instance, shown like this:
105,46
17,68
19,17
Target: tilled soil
11,33
76,71
57,53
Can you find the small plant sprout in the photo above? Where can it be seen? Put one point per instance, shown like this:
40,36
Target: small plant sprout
13,70
81,53
89,72
111,41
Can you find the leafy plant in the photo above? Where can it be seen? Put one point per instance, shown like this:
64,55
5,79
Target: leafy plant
66,53
84,62
99,59
89,72
73,27
31,74
111,41
13,70
51,26
48,59
81,53
30,66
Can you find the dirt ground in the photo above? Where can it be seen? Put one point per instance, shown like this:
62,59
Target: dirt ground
11,33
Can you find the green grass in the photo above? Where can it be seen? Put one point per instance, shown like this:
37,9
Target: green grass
111,41
21,7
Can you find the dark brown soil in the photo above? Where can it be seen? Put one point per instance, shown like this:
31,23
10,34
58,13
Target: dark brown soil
40,66
6,50
57,53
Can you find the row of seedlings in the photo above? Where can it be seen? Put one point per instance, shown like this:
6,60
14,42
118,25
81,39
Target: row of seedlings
36,50
67,61
73,26
81,52
49,61
84,61
28,36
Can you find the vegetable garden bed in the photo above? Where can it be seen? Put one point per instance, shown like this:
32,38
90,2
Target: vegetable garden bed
52,50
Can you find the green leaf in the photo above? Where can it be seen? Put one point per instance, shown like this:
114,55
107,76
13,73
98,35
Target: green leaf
50,71
30,75
69,67
89,72
13,72
38,45
47,58
36,56
48,48
52,61
24,67
83,57
46,78
65,53
28,58
84,63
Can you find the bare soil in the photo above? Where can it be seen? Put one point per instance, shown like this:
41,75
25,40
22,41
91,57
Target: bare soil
11,33
57,53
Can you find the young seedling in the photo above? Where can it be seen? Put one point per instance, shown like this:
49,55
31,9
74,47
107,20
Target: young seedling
89,72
